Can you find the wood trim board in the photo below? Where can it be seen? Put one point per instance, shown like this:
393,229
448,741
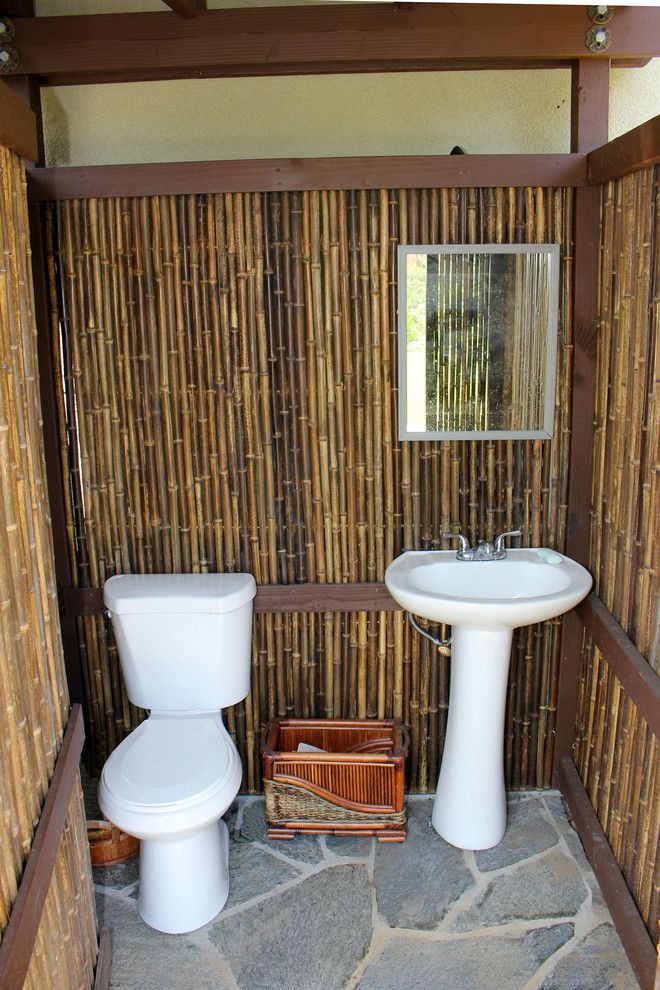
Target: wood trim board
103,961
272,598
636,149
589,129
278,174
638,679
19,936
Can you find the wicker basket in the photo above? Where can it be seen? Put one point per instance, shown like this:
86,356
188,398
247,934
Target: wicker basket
354,787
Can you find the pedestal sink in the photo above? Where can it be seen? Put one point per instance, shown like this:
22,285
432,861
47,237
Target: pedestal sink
483,601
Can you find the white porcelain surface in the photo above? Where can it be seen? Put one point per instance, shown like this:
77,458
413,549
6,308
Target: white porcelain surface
184,645
184,883
168,765
183,660
482,601
494,594
185,593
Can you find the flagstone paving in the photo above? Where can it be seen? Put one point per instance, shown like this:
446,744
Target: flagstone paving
353,914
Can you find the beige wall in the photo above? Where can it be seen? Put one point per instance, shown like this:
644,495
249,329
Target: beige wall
309,116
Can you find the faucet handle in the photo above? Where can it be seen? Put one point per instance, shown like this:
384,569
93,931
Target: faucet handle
499,540
465,543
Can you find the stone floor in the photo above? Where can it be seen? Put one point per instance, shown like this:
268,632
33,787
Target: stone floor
342,914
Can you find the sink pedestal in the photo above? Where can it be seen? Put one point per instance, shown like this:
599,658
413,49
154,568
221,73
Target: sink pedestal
470,802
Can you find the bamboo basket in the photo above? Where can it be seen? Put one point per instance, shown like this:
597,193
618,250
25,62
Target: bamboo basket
355,786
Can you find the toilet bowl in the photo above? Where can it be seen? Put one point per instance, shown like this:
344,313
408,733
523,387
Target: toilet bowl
183,640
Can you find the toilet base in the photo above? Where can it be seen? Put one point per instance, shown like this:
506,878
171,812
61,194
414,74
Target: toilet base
184,882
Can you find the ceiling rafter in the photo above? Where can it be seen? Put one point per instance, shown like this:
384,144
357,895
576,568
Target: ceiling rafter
317,39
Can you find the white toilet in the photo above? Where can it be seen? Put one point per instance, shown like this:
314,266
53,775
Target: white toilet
184,643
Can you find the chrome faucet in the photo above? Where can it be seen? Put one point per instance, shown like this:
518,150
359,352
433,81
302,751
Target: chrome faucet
484,550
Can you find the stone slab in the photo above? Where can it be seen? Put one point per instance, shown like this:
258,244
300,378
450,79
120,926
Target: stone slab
302,848
418,880
311,936
253,872
119,876
144,958
597,963
527,834
548,887
478,963
350,846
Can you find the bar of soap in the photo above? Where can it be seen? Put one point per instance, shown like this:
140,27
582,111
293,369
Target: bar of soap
550,556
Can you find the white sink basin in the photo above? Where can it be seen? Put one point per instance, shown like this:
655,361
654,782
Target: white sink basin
486,594
483,601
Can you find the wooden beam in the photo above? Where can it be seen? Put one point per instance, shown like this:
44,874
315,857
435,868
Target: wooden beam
589,123
261,175
629,924
311,597
18,124
636,149
54,475
103,961
638,679
19,936
184,8
322,38
16,8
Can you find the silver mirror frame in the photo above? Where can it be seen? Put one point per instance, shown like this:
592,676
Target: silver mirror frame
552,251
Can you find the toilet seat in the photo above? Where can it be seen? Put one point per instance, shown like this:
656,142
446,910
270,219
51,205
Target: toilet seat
170,764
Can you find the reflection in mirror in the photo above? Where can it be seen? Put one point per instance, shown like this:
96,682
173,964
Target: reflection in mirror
477,340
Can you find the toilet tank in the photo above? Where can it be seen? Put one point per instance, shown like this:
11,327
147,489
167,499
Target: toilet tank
184,640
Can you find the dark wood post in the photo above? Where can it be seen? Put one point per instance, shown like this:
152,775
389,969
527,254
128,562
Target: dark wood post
589,120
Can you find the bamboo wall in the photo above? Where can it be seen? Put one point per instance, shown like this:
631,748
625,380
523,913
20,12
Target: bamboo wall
228,401
617,756
33,695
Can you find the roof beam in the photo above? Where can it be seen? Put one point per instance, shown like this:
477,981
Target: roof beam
18,124
184,8
322,39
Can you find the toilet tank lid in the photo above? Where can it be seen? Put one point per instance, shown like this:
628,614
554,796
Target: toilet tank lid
129,594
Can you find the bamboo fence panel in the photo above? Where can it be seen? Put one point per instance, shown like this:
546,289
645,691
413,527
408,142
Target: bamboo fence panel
227,369
618,759
617,755
33,696
625,532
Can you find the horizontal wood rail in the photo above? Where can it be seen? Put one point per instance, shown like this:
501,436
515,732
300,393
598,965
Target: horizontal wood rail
312,597
20,934
636,149
18,124
276,174
322,39
632,931
638,679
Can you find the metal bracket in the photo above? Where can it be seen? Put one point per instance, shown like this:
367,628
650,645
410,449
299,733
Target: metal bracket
9,57
601,15
597,39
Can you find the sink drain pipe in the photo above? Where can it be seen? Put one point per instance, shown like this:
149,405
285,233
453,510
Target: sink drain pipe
443,645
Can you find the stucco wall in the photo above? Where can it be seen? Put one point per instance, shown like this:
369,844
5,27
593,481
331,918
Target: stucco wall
309,116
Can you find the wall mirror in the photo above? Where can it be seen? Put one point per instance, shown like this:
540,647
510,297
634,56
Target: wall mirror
477,341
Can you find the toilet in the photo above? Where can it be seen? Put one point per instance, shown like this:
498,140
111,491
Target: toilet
184,643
